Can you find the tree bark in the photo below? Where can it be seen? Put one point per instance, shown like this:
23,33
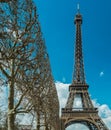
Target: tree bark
45,122
11,114
38,121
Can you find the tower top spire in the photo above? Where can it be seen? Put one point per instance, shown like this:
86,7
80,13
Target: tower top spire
78,74
78,16
78,8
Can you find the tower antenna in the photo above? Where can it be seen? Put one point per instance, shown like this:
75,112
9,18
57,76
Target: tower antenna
78,8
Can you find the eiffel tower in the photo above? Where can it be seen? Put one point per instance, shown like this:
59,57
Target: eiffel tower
85,113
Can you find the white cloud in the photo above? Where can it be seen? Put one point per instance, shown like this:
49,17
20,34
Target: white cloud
104,110
25,119
101,74
77,102
77,127
63,79
3,98
62,90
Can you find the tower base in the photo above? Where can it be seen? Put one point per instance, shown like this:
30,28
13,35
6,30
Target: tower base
88,117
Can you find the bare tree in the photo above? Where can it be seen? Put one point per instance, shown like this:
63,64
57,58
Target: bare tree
44,95
18,30
24,65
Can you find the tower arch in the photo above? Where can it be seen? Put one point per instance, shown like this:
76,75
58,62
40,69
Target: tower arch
85,122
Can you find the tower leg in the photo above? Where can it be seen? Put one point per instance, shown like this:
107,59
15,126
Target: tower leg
62,125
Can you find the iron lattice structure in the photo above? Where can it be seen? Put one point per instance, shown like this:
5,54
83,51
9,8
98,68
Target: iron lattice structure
86,114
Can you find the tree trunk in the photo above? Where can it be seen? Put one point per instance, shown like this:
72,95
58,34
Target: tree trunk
38,121
11,115
45,122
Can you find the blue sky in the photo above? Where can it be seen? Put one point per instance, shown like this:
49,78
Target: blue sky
57,22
